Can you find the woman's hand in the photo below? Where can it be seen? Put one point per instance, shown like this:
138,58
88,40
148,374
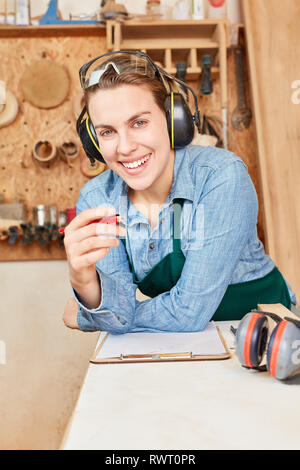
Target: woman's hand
85,244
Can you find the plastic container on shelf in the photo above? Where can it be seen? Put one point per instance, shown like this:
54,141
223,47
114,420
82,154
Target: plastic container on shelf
198,9
217,9
10,12
182,10
154,9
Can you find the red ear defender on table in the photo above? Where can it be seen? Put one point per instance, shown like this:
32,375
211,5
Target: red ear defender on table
282,350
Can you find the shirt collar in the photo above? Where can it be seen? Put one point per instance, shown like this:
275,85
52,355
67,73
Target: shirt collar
182,186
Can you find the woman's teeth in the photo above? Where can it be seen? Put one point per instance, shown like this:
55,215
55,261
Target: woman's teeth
136,163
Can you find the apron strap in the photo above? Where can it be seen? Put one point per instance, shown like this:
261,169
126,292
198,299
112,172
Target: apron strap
177,211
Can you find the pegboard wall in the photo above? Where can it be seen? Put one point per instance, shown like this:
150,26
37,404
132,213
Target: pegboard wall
23,179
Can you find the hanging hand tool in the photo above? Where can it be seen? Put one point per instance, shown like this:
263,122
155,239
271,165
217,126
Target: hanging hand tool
27,233
206,80
241,114
62,222
13,234
181,70
41,222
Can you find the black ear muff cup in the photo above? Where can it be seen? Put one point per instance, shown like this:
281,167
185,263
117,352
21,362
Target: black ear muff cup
179,120
89,140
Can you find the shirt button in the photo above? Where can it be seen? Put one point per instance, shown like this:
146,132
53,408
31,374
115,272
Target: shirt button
152,245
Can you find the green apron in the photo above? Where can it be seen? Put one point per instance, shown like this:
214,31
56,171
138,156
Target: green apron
238,299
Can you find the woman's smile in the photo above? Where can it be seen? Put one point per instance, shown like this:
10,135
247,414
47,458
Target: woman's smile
136,166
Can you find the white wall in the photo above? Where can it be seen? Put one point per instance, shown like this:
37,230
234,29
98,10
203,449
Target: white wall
38,7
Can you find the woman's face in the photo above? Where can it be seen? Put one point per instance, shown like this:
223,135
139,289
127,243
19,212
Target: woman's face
133,135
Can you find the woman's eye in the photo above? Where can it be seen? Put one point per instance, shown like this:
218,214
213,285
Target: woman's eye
139,123
106,133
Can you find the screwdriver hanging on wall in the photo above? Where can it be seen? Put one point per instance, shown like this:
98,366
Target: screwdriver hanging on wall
181,67
206,80
181,70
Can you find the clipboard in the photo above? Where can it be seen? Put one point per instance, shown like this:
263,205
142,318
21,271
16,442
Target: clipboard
156,357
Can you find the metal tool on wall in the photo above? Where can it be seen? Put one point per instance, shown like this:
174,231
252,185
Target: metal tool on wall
40,221
44,229
241,115
206,80
181,67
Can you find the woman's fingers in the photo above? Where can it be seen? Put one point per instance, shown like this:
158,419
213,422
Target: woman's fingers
88,259
94,243
89,215
75,250
97,229
87,241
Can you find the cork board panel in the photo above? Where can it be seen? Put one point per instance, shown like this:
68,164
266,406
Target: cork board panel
21,177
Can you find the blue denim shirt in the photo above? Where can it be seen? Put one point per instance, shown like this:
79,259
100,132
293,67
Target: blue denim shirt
218,238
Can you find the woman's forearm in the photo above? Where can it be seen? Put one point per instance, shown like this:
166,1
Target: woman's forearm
89,294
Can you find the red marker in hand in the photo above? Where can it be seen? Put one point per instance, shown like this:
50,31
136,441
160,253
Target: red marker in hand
115,219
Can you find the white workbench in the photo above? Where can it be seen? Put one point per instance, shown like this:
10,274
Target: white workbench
185,405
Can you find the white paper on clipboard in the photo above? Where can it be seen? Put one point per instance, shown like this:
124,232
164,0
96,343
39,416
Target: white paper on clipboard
200,343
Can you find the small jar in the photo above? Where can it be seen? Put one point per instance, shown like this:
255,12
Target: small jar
198,10
154,10
217,9
182,10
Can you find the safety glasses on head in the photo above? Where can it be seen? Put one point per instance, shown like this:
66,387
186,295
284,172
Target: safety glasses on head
118,62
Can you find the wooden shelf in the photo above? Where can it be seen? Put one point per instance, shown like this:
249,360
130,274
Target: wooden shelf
168,42
160,43
12,31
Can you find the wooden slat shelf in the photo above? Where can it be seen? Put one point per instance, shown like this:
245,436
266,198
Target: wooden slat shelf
7,31
159,43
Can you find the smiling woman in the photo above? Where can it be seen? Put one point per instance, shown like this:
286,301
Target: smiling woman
190,242
136,146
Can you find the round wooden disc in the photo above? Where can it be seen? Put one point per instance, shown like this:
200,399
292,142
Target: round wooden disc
45,84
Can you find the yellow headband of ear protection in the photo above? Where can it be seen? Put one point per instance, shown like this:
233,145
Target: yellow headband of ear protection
172,120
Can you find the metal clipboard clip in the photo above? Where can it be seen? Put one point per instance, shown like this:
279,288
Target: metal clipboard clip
157,356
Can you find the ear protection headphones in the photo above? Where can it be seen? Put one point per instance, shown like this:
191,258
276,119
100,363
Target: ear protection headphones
282,350
180,120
